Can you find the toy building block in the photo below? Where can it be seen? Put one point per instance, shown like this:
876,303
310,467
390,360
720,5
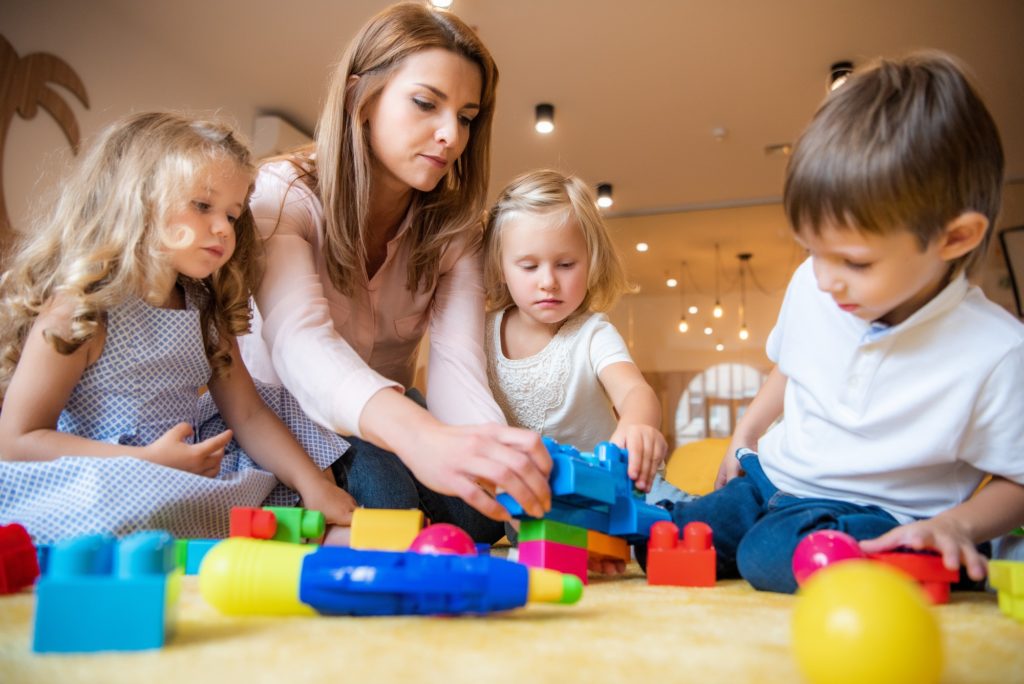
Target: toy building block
689,562
99,594
19,564
1007,578
296,525
554,556
256,523
385,529
926,568
189,553
601,546
550,530
250,577
593,491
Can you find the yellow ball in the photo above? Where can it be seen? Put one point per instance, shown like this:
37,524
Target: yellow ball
861,621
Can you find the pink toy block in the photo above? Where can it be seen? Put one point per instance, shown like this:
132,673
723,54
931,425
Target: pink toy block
256,523
689,562
19,564
926,568
554,556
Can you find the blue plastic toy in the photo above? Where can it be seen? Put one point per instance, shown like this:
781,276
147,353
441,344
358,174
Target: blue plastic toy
99,594
243,576
593,491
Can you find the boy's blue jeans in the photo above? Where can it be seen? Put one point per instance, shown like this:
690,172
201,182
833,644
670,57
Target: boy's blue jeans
756,527
377,478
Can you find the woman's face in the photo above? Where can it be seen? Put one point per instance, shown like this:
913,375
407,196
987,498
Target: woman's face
419,122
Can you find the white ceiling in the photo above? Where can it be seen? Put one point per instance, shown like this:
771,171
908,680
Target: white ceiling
638,88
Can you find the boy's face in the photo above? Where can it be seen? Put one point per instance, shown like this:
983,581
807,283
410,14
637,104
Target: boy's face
875,277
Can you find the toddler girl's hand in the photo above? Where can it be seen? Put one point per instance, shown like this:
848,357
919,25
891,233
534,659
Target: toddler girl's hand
322,494
941,534
202,458
647,449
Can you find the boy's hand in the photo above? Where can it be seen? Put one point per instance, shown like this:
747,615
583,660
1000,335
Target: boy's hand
202,459
730,466
606,566
647,449
941,534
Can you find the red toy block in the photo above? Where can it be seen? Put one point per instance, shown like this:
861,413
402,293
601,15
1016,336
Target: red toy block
689,562
256,523
19,564
554,556
926,568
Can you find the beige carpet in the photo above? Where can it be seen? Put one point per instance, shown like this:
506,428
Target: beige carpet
621,631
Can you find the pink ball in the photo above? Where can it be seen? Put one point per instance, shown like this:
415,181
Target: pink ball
821,549
443,538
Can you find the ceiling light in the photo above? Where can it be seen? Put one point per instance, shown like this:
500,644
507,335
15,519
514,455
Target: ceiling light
441,4
671,282
604,195
642,247
744,333
719,347
708,330
693,309
545,122
838,73
717,311
683,325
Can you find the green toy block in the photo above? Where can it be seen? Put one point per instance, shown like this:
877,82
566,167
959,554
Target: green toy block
180,553
1007,577
552,531
295,525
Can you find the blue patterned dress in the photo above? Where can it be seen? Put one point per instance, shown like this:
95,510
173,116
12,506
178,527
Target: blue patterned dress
148,379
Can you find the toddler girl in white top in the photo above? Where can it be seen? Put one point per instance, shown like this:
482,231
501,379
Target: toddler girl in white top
555,363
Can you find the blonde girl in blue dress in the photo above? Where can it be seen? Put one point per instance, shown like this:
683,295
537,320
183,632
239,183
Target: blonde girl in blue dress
116,312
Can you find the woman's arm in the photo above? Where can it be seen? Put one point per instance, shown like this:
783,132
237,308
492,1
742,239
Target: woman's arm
268,442
764,410
639,427
39,390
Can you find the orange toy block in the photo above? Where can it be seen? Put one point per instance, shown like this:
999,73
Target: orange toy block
603,546
689,562
926,568
382,529
256,523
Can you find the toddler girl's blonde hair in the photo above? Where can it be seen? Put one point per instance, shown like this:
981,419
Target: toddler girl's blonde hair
106,239
551,192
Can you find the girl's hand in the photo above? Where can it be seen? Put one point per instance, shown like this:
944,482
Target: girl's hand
941,533
202,459
730,466
647,449
322,494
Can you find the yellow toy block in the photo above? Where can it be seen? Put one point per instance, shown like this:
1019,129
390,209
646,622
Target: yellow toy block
383,529
602,546
1007,577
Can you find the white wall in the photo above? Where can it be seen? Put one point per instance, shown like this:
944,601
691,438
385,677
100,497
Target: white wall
123,71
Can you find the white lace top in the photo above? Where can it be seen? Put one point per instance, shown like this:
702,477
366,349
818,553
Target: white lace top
557,392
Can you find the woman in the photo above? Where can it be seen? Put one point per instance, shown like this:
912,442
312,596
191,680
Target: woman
371,235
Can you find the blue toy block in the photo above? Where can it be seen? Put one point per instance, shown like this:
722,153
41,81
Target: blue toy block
190,552
594,491
99,594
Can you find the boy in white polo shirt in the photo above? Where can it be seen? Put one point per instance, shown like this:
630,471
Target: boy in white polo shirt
902,386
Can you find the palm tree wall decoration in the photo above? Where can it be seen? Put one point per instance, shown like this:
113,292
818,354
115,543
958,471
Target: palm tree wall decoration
24,87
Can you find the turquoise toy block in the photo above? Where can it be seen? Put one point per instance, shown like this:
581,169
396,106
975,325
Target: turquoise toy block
99,594
189,553
296,525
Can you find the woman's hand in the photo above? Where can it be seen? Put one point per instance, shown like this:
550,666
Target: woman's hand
202,458
470,462
647,449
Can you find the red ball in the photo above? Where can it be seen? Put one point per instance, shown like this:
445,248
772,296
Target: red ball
443,538
821,549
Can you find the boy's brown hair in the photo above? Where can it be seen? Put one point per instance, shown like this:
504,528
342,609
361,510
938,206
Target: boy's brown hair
904,144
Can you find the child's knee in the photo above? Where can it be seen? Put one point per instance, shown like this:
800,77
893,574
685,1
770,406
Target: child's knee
767,563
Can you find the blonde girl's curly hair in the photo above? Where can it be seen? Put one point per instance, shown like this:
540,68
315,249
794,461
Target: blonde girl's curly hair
106,239
552,193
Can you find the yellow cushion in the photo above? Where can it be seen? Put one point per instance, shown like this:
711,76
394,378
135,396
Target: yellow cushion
692,467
